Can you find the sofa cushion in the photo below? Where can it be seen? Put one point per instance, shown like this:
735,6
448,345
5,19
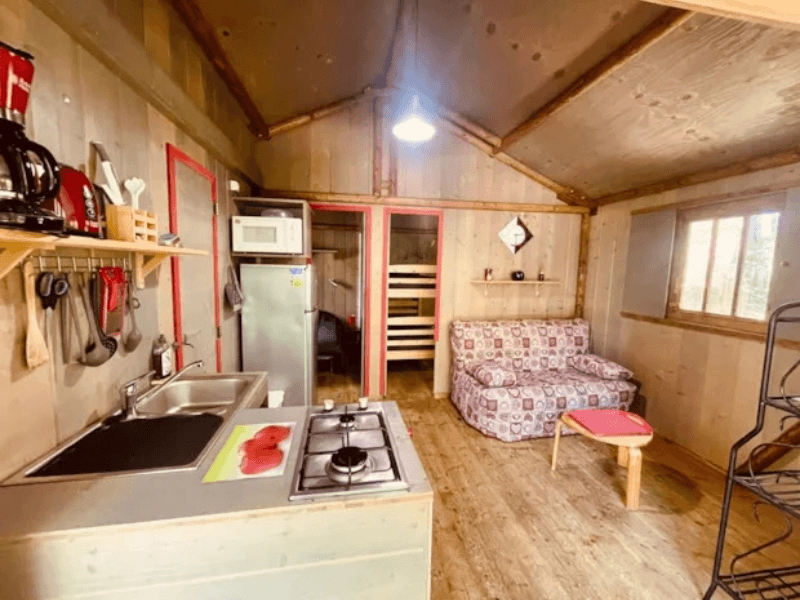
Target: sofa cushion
531,408
526,344
600,367
492,374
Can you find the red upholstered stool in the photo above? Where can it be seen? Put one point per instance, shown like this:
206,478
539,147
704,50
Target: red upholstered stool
616,427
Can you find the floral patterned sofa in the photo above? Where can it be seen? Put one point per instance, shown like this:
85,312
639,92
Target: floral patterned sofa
512,379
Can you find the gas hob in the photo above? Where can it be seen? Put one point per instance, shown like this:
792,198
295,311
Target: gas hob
348,450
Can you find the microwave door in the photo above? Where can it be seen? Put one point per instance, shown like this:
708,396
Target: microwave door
260,236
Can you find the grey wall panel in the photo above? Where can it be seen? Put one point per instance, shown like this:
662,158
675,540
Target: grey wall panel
650,249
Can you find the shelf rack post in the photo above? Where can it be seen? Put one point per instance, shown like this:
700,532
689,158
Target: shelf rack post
767,486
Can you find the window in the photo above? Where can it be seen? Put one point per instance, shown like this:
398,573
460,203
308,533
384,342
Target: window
723,262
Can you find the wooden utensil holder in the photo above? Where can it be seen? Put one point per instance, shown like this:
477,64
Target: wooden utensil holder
127,224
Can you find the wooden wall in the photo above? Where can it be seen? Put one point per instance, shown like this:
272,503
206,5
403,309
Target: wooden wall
44,406
702,388
335,155
341,266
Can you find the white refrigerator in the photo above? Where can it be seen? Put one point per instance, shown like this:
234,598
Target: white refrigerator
279,328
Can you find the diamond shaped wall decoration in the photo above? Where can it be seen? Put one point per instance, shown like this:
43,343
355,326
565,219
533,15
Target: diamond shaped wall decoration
515,235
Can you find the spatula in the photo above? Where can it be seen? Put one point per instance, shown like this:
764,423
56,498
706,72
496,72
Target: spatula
133,338
36,352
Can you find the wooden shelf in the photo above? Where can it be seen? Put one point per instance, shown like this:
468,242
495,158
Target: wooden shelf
16,245
324,250
512,282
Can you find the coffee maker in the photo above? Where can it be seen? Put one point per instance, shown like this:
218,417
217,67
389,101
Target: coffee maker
29,174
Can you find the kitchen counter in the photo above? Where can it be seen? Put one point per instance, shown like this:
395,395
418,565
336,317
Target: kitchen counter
168,535
44,508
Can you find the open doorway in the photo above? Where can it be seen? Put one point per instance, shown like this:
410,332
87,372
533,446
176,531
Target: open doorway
411,326
339,236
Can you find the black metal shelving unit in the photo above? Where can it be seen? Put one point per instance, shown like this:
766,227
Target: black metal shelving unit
780,489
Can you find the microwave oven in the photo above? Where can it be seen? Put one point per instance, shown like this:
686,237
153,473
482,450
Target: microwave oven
267,235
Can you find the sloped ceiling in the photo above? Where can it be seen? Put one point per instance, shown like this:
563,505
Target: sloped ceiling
713,92
495,62
299,55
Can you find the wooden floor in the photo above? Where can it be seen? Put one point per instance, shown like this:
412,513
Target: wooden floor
342,389
506,528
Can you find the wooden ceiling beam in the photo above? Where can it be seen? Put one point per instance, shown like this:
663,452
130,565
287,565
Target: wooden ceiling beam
762,163
457,204
205,35
477,136
655,31
777,13
456,124
319,113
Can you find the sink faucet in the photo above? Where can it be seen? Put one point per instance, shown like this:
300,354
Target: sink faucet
129,391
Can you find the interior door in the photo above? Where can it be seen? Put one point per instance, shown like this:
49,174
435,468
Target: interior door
195,279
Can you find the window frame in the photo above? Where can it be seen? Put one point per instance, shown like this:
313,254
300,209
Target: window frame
739,208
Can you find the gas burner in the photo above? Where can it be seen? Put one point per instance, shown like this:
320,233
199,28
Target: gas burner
349,459
347,452
347,421
348,465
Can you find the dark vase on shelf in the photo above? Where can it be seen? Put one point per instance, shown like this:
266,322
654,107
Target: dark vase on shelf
518,275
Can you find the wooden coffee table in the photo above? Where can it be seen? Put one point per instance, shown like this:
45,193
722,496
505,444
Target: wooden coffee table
629,454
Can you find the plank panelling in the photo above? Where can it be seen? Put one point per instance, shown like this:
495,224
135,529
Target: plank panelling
145,43
334,155
76,99
156,32
342,267
670,117
701,388
409,248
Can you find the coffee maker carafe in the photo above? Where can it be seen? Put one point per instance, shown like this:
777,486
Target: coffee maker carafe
29,174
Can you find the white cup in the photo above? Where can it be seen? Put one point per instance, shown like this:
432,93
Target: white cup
327,405
363,403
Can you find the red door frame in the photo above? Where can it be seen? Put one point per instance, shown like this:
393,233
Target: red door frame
387,217
174,155
367,212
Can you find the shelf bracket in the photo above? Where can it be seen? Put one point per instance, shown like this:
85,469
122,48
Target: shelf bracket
143,267
13,254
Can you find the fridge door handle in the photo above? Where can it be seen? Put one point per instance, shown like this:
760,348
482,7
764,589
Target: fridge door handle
310,374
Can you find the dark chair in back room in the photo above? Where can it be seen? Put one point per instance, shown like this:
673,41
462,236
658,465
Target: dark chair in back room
332,342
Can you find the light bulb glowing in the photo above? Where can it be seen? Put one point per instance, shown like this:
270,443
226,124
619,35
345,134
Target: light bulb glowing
414,129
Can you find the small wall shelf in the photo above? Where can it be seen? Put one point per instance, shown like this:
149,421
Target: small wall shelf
324,250
513,282
17,245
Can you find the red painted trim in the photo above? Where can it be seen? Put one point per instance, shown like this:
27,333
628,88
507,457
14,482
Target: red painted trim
387,217
439,246
385,300
367,211
175,155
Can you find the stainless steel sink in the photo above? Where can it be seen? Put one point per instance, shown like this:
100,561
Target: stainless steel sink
175,429
216,394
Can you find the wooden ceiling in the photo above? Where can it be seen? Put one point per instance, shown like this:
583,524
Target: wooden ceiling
704,93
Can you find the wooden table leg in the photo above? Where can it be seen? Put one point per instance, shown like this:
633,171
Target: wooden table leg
634,477
622,456
555,445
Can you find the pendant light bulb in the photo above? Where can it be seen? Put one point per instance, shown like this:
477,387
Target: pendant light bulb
413,126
